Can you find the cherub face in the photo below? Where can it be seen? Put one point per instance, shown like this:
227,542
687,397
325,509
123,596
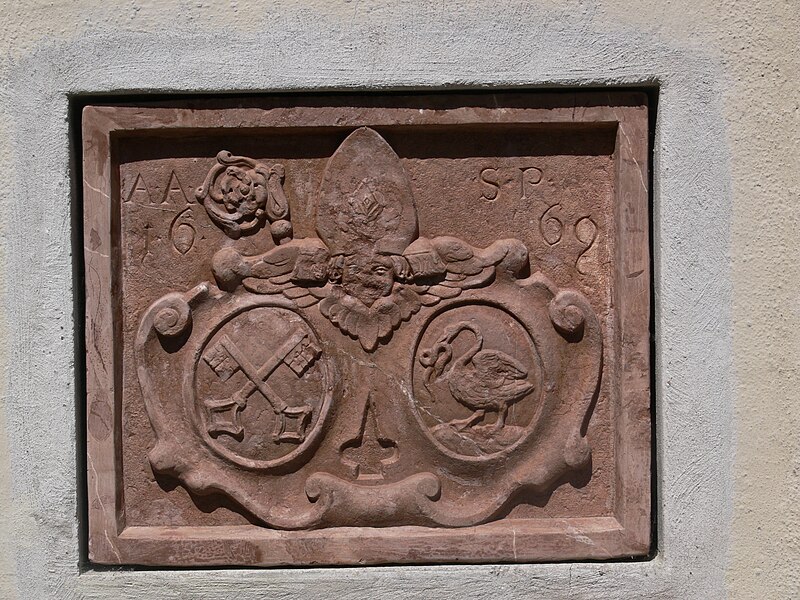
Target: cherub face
368,277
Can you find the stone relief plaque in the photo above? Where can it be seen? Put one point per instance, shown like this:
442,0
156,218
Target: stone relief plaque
365,330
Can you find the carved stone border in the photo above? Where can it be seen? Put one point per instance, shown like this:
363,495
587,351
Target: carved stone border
625,534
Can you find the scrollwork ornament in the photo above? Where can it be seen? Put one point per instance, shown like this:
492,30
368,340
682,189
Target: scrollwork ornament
300,403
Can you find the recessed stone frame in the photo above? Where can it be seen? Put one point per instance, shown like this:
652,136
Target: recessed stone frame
280,297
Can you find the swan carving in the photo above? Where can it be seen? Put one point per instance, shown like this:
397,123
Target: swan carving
482,380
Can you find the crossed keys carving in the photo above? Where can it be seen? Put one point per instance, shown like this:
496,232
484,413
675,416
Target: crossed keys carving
225,359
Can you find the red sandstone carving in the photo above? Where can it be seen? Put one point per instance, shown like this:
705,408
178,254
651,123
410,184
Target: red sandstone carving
370,274
240,194
348,370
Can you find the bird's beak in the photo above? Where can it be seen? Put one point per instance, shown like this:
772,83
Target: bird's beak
434,361
430,372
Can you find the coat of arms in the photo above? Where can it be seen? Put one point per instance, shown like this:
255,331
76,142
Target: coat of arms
367,376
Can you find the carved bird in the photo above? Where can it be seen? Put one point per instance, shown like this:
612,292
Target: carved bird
481,380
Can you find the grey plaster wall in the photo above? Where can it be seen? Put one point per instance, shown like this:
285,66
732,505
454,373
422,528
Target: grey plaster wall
54,52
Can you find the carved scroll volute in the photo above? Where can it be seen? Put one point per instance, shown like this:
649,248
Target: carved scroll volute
165,325
574,319
367,377
523,361
570,341
204,333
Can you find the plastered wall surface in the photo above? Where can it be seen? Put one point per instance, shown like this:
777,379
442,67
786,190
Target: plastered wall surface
725,214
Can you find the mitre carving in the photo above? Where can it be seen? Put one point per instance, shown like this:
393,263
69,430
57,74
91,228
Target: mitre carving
510,353
369,269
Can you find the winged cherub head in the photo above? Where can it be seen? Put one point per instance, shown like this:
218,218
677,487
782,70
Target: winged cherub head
368,269
366,216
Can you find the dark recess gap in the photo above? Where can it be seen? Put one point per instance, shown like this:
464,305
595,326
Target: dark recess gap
76,104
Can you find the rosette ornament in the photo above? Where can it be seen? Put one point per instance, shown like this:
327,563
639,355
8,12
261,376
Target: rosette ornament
241,195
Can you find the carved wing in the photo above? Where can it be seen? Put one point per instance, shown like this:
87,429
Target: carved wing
303,296
498,366
297,269
442,267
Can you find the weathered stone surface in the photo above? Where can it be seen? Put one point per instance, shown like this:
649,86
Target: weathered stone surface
338,318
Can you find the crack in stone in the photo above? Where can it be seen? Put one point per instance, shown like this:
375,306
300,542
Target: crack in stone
103,508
